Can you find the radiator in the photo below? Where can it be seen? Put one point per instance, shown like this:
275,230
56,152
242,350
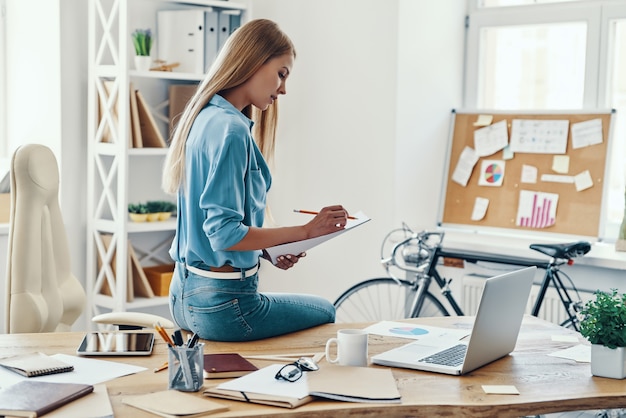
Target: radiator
551,310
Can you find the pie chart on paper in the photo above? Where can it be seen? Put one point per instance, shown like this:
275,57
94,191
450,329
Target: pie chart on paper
492,173
408,331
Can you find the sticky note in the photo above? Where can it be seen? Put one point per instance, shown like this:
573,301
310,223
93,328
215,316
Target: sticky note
483,120
583,181
501,389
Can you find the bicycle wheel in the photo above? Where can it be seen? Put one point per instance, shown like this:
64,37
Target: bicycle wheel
382,299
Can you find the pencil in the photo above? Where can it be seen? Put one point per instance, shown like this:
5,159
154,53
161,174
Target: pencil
310,212
161,367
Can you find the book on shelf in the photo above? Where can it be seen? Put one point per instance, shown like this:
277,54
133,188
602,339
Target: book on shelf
35,364
150,134
137,140
222,365
30,398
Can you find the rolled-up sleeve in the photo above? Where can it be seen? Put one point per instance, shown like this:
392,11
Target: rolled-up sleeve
224,196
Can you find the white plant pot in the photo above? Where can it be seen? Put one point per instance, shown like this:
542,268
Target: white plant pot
608,362
143,63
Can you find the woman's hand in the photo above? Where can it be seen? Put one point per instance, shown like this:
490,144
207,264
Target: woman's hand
285,262
329,219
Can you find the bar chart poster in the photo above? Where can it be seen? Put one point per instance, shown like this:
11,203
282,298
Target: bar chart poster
536,209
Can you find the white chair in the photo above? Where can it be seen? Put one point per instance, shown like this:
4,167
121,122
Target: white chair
42,294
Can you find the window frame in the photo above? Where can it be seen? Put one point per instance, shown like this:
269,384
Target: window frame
531,15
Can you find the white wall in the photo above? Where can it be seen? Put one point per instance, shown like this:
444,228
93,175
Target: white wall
365,118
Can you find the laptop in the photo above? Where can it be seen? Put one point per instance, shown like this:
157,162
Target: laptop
494,332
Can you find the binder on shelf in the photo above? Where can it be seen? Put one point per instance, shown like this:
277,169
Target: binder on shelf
229,20
181,38
211,43
150,133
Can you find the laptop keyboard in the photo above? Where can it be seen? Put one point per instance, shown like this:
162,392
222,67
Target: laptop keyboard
452,356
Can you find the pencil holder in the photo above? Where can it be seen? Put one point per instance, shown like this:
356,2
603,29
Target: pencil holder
186,367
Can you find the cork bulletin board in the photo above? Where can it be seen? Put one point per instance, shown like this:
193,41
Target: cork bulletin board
566,201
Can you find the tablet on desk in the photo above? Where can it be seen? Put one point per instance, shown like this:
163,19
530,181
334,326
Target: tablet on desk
116,344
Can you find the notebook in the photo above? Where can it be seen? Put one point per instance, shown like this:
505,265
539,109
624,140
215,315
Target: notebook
222,365
30,398
35,364
494,332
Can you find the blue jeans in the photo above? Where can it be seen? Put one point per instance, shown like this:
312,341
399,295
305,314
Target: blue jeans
234,310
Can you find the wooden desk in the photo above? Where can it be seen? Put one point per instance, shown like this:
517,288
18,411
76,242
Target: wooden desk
547,384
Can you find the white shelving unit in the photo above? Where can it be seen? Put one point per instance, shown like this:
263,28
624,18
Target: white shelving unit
117,174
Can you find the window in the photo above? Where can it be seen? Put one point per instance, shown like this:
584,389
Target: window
564,56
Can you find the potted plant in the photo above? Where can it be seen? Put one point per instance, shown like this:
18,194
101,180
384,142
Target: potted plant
162,208
142,40
138,212
603,323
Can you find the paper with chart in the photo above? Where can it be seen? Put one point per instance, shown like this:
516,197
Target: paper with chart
539,136
302,246
417,332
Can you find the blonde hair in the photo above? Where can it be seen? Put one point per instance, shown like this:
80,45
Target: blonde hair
245,51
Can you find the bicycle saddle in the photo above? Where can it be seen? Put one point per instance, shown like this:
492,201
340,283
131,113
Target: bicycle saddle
565,251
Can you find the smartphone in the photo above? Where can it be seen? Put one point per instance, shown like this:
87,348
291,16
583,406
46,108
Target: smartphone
116,344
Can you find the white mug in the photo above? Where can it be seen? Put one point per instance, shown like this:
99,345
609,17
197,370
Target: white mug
351,347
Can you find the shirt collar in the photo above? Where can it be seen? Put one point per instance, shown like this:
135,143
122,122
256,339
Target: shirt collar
219,101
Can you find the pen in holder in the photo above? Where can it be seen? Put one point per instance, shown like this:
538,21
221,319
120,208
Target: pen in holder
185,367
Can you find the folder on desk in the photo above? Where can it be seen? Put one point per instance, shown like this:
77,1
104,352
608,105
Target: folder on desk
341,383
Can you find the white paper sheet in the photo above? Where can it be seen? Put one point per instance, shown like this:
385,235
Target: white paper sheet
536,209
529,174
302,246
416,332
491,139
263,381
86,370
465,165
583,181
480,208
586,133
580,353
539,136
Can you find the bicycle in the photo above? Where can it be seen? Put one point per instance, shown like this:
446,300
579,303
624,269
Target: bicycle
418,255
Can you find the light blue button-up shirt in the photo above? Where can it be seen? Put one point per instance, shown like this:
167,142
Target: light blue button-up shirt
227,180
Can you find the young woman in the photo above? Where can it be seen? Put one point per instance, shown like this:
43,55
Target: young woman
217,166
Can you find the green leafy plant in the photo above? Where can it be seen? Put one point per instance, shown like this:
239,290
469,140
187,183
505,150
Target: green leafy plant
142,39
156,206
137,208
604,319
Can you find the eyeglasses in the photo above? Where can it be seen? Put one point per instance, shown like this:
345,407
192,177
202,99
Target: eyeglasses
293,371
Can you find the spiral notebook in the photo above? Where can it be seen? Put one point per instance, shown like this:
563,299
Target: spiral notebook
35,364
